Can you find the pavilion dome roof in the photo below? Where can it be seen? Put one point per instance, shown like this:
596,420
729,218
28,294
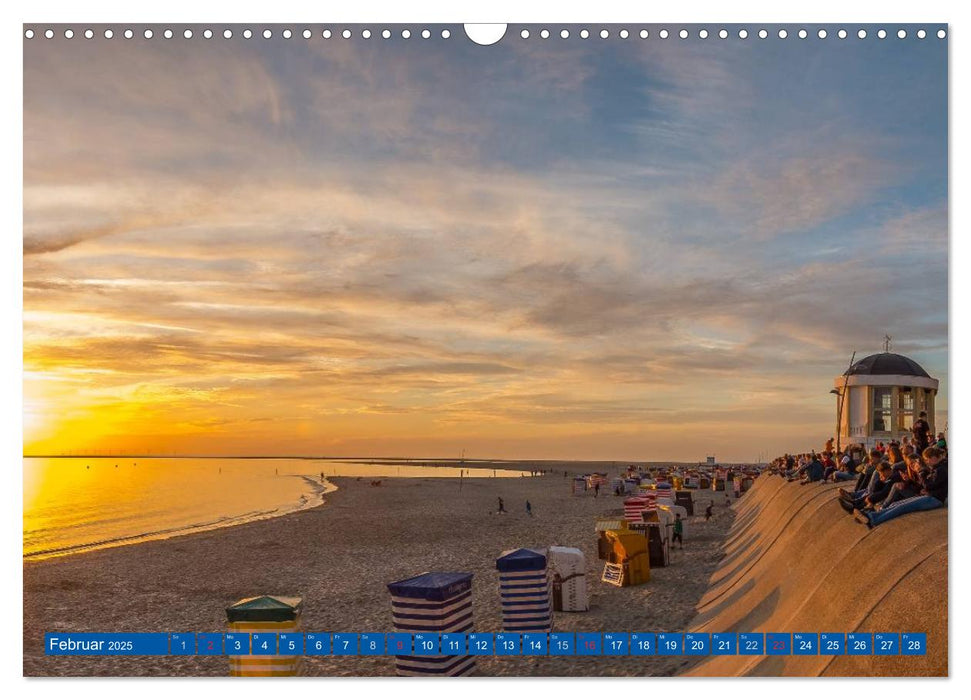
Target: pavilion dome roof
887,363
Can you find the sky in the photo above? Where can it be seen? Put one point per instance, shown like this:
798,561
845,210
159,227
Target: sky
564,249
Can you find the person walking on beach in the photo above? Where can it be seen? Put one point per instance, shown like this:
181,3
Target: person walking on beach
678,530
502,506
529,509
711,504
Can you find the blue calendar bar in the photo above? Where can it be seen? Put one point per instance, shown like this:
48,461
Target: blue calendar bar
487,644
88,644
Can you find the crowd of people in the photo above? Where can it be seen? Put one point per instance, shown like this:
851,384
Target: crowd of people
889,480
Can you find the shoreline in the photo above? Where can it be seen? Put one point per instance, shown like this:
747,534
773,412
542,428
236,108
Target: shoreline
340,559
315,500
312,499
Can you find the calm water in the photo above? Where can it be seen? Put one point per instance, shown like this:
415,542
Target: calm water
76,504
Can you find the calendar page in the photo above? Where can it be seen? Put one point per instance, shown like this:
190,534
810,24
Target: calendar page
517,350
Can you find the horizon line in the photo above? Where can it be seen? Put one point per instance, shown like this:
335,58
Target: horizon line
352,458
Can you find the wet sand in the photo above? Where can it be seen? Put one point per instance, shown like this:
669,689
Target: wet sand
339,558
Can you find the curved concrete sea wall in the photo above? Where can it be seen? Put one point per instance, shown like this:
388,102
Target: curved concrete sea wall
795,561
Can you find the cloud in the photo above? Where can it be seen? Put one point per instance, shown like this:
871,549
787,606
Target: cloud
770,195
357,243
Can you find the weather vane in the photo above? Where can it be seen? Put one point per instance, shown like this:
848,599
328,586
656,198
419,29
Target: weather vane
887,340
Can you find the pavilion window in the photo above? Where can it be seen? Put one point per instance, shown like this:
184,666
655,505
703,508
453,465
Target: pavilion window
906,406
882,408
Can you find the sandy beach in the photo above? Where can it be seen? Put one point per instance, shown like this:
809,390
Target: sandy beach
339,558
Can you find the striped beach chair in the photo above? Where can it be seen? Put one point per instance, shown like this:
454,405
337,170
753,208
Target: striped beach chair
267,614
433,602
524,591
665,490
633,507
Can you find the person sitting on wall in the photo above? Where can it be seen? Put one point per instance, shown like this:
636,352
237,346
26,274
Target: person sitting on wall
847,462
844,473
829,466
897,465
908,484
813,471
865,472
895,457
933,494
880,486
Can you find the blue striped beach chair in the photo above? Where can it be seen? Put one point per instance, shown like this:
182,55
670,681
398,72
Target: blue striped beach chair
436,602
524,590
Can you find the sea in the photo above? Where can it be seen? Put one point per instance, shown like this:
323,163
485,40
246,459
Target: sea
76,504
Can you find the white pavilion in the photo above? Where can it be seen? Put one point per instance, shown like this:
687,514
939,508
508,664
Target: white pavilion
879,397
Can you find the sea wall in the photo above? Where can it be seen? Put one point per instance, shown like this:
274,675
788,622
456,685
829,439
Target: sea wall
795,561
